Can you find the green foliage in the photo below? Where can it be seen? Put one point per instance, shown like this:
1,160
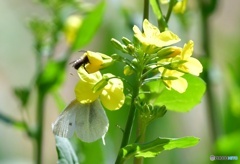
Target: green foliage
89,26
150,99
155,147
65,151
22,94
179,102
52,76
229,144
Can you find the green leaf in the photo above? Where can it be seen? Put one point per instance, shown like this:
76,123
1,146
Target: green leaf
155,147
22,94
173,100
89,26
51,76
66,154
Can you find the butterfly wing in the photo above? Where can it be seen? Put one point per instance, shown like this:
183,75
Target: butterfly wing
65,125
91,122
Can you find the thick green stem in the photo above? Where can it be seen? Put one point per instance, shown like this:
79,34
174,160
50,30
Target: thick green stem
129,124
141,131
131,117
39,132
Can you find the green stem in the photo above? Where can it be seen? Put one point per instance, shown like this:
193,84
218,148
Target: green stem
146,9
169,12
141,131
162,24
131,117
39,132
130,121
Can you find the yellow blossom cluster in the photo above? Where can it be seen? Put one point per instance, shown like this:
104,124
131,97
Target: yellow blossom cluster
172,66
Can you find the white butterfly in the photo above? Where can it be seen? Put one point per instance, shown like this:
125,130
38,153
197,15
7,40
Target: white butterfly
88,120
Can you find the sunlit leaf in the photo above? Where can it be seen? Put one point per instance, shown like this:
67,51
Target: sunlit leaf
173,100
155,147
51,76
66,154
89,26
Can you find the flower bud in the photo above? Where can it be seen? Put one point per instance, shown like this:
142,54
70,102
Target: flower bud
126,41
72,25
180,7
128,70
100,85
130,48
169,52
118,45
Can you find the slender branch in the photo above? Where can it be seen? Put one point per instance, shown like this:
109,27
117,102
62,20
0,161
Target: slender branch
39,133
146,9
169,12
162,24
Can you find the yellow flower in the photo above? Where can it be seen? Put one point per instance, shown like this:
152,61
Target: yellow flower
173,80
191,65
97,61
164,1
180,6
176,64
111,95
72,25
152,39
93,61
169,52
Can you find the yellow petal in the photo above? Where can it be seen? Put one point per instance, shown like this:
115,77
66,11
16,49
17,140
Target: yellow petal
187,50
95,62
180,6
92,78
84,92
167,38
150,30
154,36
112,96
180,85
192,66
173,73
136,30
152,40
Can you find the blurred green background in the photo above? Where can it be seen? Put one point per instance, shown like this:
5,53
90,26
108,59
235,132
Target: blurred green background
17,66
